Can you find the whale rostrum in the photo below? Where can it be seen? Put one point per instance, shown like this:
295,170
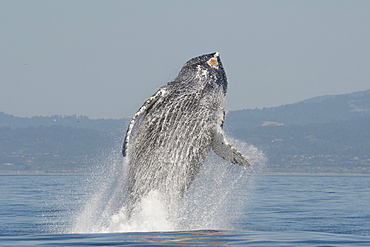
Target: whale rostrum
171,134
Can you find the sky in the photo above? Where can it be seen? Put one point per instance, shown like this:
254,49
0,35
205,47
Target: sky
103,59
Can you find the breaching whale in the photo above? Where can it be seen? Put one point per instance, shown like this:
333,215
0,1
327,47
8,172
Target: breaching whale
170,136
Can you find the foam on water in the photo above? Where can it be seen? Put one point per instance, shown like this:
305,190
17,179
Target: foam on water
209,203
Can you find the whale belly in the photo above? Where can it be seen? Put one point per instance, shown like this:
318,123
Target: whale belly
170,145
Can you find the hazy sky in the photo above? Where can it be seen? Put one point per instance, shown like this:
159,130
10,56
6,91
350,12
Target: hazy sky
102,59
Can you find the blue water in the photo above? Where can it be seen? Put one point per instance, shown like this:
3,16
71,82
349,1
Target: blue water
277,211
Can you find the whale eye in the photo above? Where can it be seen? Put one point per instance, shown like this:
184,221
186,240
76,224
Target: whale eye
213,62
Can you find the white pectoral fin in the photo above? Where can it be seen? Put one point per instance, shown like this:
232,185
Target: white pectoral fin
226,151
137,116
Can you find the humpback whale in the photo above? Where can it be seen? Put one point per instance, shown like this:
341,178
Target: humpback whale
171,134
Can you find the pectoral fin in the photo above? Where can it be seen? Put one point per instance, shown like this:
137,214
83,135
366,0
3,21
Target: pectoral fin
226,151
138,115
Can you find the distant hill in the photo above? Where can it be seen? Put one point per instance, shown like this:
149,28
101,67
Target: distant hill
326,134
321,109
57,144
83,122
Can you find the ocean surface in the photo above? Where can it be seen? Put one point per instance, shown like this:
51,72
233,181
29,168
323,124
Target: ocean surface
260,210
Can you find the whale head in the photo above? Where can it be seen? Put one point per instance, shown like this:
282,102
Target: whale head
205,71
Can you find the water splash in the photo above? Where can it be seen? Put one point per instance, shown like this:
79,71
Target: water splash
167,142
213,201
210,203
